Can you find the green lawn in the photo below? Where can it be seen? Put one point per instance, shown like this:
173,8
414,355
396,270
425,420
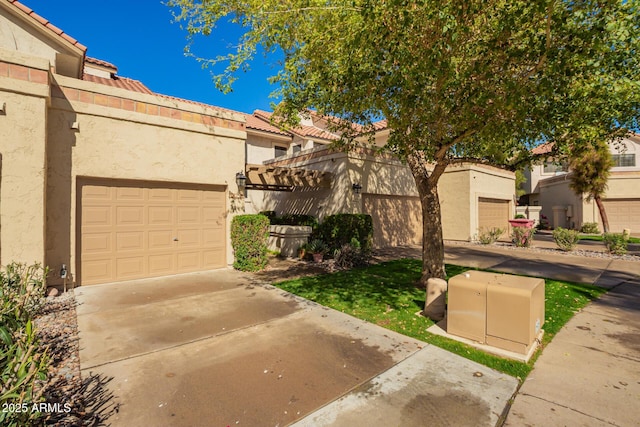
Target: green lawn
598,238
386,294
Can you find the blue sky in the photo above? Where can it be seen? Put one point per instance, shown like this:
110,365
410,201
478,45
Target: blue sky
138,37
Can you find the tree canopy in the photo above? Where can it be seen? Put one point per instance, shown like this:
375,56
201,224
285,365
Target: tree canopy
454,79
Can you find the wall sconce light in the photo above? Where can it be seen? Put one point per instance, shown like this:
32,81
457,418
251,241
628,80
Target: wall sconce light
3,107
74,125
241,181
357,188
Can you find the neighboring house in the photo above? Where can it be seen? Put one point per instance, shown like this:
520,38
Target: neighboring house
101,174
548,186
472,196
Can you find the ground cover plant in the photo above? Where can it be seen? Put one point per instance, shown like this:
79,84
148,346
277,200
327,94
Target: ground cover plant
387,294
599,238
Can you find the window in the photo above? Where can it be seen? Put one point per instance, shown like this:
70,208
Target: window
280,151
296,149
624,160
552,167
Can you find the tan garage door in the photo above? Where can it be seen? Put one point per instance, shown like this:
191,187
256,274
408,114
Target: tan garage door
397,220
623,213
493,213
131,230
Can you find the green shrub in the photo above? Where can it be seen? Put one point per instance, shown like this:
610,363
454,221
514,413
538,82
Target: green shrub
337,230
616,243
296,219
269,214
520,216
522,236
566,239
249,238
488,237
351,255
23,364
590,228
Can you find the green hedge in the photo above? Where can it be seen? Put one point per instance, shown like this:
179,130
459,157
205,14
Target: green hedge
249,238
291,219
338,230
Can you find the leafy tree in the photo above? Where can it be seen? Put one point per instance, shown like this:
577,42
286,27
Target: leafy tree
454,79
590,167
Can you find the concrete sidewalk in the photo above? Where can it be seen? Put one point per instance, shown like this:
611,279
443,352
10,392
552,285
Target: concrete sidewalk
589,375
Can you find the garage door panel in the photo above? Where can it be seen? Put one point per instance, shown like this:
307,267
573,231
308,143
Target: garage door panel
97,271
188,261
493,213
97,215
212,258
130,267
130,215
130,241
161,195
97,242
161,264
133,230
94,192
396,220
161,240
188,238
160,215
623,213
129,193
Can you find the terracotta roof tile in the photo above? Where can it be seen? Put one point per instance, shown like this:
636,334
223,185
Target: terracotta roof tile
100,62
257,123
44,22
119,82
304,131
542,148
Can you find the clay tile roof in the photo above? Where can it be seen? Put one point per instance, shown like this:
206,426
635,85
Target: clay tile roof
308,131
380,125
543,148
119,82
44,22
256,123
101,63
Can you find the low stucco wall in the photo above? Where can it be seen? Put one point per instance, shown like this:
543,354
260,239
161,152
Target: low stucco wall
118,143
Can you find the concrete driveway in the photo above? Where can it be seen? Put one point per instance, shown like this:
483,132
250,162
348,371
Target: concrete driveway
220,349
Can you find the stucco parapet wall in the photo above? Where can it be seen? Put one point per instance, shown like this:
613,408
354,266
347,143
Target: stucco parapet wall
83,102
153,105
328,152
483,168
24,74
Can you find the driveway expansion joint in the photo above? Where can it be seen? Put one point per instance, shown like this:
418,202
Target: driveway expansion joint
569,408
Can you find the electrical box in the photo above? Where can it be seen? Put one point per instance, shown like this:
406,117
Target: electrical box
500,310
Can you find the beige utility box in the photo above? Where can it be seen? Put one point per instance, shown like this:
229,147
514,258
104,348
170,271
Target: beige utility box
500,310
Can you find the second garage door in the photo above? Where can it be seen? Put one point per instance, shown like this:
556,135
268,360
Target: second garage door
623,213
493,213
397,220
131,230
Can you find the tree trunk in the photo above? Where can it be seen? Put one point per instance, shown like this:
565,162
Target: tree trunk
432,243
603,213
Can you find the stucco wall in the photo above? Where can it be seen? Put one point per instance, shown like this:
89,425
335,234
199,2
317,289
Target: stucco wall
491,183
23,93
556,192
455,203
122,144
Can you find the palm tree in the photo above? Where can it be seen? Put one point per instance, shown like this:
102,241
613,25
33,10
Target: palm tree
590,166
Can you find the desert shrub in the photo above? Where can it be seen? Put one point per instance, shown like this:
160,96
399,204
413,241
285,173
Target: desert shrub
590,228
317,246
616,243
338,230
351,255
490,236
250,238
566,239
23,364
522,236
